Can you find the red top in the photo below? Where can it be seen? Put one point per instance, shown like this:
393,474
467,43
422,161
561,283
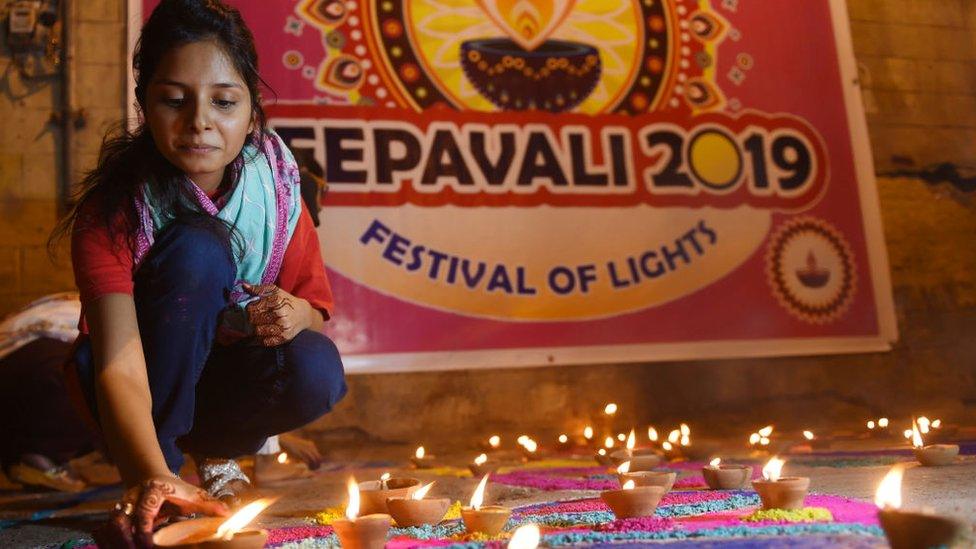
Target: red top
103,267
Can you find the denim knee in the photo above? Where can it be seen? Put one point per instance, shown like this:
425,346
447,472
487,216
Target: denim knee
194,258
316,380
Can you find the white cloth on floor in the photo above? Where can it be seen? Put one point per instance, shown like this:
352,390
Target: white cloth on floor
271,446
54,316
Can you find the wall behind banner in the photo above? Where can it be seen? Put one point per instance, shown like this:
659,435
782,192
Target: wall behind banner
918,65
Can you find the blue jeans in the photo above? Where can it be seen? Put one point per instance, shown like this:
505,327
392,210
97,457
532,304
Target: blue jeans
212,400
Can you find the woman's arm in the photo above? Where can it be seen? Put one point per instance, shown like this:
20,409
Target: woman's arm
122,389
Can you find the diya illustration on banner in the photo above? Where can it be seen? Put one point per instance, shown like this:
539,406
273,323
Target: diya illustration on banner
551,175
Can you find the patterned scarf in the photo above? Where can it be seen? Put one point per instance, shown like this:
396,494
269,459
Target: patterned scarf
263,208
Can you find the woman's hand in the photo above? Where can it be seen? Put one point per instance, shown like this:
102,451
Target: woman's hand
302,449
145,506
277,315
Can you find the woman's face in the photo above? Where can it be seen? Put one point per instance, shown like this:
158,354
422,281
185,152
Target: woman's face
199,111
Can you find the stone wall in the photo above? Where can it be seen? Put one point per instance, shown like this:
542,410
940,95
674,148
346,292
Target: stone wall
918,66
30,148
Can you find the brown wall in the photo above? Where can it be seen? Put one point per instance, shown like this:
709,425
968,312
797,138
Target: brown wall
918,65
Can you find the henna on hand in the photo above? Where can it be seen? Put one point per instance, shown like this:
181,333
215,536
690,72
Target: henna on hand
275,318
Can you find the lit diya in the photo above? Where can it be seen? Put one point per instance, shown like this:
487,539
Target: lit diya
726,477
421,460
417,511
493,443
529,448
631,501
481,466
778,492
488,519
909,529
932,455
526,536
361,532
217,533
374,493
641,459
602,455
662,478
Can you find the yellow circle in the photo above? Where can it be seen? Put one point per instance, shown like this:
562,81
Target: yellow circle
715,159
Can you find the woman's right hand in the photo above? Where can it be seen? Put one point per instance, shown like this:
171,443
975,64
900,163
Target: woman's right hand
145,506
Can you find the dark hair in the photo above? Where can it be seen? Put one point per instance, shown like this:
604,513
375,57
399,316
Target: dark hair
130,157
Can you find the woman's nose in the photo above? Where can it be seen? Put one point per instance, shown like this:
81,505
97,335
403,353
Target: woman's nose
200,117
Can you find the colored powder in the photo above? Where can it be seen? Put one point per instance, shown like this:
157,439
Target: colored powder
447,471
549,464
807,514
285,535
330,515
454,511
648,524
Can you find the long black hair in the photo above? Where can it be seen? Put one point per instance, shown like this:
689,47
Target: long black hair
129,158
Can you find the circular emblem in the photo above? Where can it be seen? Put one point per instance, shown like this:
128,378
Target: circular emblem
810,268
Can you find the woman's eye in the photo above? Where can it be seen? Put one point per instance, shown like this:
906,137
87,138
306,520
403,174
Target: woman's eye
173,101
224,103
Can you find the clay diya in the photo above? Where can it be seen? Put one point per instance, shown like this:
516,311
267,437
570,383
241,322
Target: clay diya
488,519
481,466
493,443
662,478
374,493
908,529
780,492
726,477
641,459
631,501
417,511
421,460
217,532
933,455
602,457
361,532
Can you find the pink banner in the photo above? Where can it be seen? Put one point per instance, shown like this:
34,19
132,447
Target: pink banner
556,181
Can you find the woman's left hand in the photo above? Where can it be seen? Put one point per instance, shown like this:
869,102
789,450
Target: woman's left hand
277,315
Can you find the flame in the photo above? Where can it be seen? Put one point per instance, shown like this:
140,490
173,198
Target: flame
610,409
588,432
624,467
685,430
480,460
889,491
419,494
479,493
621,437
715,462
631,440
352,508
629,485
685,440
563,439
526,536
916,436
936,423
766,431
602,452
282,457
608,442
883,422
667,446
521,440
771,471
494,441
652,434
530,445
923,425
385,477
754,438
674,436
420,453
242,518
871,424
764,441
808,435
908,433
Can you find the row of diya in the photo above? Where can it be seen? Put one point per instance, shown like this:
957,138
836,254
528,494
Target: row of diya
374,505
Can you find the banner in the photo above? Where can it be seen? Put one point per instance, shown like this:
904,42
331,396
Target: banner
536,182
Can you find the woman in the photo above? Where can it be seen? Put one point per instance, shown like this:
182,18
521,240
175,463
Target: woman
202,284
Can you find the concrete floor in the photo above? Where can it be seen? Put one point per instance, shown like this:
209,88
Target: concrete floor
950,490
